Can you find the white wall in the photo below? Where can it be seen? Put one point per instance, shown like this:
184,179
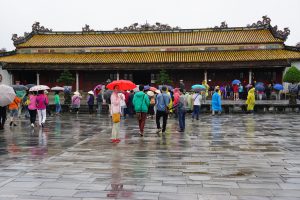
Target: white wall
5,76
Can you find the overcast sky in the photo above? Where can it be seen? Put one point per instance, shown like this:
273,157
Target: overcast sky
17,16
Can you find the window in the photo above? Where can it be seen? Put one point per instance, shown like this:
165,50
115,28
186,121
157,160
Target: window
113,76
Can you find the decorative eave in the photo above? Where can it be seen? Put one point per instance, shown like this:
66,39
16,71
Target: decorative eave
8,53
292,48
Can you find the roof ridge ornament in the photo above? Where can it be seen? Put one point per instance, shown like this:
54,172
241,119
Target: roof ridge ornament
223,25
147,27
266,23
87,28
36,28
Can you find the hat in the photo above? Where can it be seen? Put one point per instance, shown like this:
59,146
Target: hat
46,92
91,92
157,91
76,93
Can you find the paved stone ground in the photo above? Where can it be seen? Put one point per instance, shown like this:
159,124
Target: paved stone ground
228,157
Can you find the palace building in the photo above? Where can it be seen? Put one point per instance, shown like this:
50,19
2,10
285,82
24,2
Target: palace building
138,52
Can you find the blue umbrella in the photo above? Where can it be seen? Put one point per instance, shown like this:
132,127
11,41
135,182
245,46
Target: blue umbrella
236,82
198,86
259,83
146,87
19,87
259,87
170,88
278,87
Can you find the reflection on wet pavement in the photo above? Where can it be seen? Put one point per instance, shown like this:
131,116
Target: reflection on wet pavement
221,157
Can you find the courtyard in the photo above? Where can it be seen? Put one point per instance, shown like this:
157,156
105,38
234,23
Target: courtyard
225,157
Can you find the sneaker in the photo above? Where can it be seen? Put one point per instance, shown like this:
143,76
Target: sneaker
15,124
141,134
10,124
117,140
113,140
32,125
158,130
42,125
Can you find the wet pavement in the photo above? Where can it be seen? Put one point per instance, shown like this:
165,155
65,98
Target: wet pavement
225,157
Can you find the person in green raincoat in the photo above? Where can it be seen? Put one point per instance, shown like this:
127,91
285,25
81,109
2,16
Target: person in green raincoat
250,100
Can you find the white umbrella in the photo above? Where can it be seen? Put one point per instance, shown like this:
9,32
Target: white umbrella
7,95
150,93
57,88
38,88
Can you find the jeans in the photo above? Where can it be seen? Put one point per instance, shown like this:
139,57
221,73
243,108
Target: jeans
32,114
99,108
142,121
42,116
57,108
181,118
196,111
160,114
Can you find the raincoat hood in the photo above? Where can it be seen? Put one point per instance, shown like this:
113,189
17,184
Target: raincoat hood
252,90
139,94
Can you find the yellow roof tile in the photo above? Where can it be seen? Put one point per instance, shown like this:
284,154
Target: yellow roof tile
153,57
151,39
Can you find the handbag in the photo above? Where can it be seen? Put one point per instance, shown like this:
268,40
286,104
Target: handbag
167,110
116,117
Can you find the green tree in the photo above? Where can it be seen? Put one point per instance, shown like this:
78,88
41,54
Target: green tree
292,75
163,78
66,78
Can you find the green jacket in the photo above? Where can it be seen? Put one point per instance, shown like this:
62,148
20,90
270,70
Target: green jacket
56,99
141,102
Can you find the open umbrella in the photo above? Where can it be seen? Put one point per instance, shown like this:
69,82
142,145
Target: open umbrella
157,91
7,95
236,82
153,89
198,86
170,88
249,86
150,93
30,85
57,88
123,85
98,87
278,87
146,87
19,87
260,87
39,87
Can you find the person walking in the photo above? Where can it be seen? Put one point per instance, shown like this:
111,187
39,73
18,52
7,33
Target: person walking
235,92
48,110
216,103
32,109
25,103
181,85
13,108
99,102
76,101
2,116
115,100
250,100
176,101
41,103
90,101
130,108
197,98
162,102
182,104
141,104
57,103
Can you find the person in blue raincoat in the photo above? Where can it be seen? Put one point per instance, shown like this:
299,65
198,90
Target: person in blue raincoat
216,102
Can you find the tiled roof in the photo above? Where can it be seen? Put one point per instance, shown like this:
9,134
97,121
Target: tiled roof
251,36
153,57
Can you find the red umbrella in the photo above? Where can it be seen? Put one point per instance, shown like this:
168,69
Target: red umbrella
123,85
153,89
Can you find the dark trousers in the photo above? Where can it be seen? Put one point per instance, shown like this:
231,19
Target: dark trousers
91,109
160,114
181,118
142,121
32,114
196,111
2,116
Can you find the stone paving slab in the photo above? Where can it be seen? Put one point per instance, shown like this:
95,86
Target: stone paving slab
230,157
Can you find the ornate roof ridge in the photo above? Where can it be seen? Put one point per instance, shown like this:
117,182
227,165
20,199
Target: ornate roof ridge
264,24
